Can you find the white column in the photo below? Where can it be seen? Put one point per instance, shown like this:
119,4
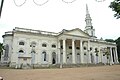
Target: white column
73,51
64,51
115,61
116,54
81,51
59,52
111,57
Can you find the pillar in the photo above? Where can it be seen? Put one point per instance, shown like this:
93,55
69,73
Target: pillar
111,57
115,61
73,51
81,51
116,55
64,51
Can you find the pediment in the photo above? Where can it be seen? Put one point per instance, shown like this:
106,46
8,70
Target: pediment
76,32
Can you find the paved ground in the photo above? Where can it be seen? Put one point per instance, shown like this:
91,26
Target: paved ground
84,73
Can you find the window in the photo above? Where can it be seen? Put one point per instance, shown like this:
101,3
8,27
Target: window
21,43
21,51
85,48
33,51
77,47
78,53
33,44
90,48
6,47
53,46
61,47
95,49
44,45
70,53
70,47
45,56
85,54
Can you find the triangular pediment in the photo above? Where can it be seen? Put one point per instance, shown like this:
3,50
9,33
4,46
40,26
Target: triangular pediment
76,32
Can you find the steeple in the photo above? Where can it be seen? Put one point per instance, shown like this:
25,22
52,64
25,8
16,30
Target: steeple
88,19
89,28
87,12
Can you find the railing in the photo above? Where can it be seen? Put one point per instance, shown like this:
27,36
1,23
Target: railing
102,41
9,32
35,31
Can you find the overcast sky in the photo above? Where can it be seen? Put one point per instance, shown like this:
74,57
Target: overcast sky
56,15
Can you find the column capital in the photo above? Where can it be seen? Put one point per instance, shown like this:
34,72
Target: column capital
63,39
73,39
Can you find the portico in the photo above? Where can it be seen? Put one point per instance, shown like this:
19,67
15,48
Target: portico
72,51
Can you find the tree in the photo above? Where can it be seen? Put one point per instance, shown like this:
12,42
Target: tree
109,40
1,49
118,47
115,5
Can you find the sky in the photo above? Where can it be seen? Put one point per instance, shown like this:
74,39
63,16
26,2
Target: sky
55,15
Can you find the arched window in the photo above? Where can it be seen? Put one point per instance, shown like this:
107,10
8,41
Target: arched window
44,45
53,58
53,46
96,49
85,48
21,43
70,47
6,52
44,56
78,53
21,51
33,44
33,51
90,48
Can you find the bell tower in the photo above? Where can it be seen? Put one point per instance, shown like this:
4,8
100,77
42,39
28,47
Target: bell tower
89,28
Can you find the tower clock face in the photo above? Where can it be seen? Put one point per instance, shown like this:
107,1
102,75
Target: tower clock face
99,0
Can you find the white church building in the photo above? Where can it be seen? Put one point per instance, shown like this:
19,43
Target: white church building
28,46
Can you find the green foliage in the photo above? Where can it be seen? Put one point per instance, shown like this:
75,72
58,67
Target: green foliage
109,40
1,49
118,47
115,5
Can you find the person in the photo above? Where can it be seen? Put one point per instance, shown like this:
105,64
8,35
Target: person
1,78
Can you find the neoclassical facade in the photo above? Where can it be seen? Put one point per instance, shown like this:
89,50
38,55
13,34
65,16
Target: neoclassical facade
28,47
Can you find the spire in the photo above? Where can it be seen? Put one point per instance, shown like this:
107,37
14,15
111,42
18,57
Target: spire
89,28
87,12
88,19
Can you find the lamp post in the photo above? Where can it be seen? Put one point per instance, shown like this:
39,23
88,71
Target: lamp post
1,6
